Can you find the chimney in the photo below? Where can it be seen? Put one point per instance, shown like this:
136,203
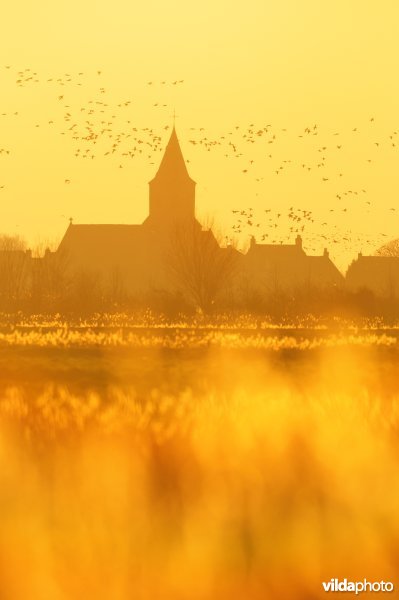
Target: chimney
325,253
298,241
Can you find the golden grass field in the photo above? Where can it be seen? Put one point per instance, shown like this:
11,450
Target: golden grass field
189,463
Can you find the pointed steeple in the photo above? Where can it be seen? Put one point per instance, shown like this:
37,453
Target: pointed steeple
173,164
172,191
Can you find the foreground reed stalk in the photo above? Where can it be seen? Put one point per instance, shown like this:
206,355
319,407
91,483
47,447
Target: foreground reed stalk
197,472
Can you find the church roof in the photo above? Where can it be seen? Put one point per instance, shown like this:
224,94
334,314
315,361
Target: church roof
104,238
172,163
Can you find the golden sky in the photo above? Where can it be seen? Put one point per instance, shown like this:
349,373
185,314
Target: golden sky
281,106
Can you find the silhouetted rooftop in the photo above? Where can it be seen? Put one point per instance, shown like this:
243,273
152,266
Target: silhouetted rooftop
377,259
104,235
277,250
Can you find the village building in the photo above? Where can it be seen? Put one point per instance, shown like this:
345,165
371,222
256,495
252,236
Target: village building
141,255
377,274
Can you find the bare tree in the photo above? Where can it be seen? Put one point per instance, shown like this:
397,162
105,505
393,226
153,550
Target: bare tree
201,267
50,281
389,249
14,270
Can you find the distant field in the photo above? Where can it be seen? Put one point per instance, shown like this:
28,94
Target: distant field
196,463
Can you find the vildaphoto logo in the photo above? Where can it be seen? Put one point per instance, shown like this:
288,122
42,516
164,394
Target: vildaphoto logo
357,587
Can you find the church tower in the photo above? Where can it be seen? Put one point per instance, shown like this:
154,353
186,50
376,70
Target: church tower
172,191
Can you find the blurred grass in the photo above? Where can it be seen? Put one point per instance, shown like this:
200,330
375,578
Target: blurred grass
204,472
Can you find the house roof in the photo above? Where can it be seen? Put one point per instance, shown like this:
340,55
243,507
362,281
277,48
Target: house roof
276,251
378,260
374,264
320,264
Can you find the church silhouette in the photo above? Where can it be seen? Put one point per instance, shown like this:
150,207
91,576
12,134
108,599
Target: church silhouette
172,254
139,253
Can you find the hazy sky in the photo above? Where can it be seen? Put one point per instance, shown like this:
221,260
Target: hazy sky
306,90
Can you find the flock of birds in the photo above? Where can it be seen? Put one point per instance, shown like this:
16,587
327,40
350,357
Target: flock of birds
266,226
102,129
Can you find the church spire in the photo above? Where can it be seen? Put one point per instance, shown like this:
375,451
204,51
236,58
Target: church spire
172,191
173,163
